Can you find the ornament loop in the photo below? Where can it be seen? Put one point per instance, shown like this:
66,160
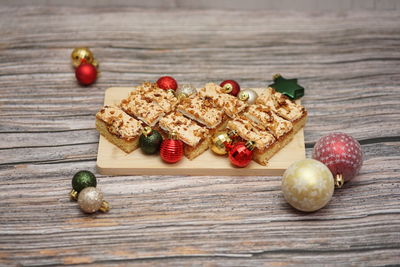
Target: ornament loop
232,133
339,180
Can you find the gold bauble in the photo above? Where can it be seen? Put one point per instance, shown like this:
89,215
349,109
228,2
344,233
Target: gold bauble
81,53
308,185
218,143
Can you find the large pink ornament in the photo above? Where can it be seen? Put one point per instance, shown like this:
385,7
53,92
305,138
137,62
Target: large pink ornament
341,153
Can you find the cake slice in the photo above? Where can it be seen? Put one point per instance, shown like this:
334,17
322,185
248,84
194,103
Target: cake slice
163,98
202,111
231,105
143,108
266,144
264,117
195,137
119,128
284,107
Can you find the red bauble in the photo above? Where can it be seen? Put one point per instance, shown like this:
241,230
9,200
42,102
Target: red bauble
167,82
231,87
240,155
86,73
341,153
171,150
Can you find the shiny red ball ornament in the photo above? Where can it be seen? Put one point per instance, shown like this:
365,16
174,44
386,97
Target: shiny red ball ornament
240,154
86,73
230,87
167,83
171,150
341,153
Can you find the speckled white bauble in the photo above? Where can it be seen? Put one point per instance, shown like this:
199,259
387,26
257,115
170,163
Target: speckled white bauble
185,90
91,200
307,185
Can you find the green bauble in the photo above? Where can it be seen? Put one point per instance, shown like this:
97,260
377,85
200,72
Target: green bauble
150,141
83,179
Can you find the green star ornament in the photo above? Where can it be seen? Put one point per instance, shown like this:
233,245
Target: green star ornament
288,87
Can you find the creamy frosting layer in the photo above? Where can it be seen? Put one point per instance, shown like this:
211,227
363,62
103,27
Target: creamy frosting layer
119,123
250,132
186,130
264,117
228,103
281,104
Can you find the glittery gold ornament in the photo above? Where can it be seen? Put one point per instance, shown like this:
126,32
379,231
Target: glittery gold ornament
81,53
219,141
91,200
249,96
307,185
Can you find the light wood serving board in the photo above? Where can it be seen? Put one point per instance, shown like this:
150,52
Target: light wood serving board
113,161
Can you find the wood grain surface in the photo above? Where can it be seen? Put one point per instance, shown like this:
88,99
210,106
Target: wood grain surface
348,63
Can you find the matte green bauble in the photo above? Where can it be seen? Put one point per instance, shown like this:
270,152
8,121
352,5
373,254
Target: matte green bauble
80,181
150,141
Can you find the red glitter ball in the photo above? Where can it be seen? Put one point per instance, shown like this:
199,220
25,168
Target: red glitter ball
240,155
171,151
167,82
86,73
341,153
233,84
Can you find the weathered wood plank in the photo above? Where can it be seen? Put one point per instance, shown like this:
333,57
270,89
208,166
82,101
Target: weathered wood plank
348,63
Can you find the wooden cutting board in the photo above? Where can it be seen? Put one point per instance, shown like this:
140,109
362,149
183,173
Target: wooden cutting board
113,161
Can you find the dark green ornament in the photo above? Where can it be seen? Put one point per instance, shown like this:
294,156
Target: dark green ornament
288,87
80,181
150,141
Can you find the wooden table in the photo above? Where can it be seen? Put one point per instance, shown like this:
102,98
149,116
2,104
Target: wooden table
348,62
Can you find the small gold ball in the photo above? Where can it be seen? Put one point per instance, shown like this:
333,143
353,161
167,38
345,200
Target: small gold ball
81,53
218,143
90,199
307,185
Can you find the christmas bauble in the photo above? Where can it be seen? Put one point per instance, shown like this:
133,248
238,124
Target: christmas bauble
150,141
307,185
249,96
80,181
86,73
167,83
185,90
230,87
220,141
91,200
171,149
81,53
341,153
241,154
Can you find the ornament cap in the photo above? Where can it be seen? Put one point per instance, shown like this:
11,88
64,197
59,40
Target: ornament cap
73,194
172,136
276,76
228,88
181,96
147,131
243,95
105,206
250,145
339,180
232,133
